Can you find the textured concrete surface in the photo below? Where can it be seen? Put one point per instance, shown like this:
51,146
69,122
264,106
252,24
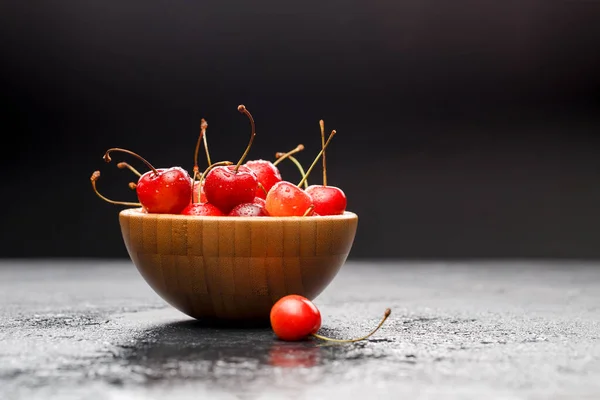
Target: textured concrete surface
94,330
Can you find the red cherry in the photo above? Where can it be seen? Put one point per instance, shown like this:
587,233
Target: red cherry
248,210
168,191
260,201
226,188
202,209
267,174
285,199
159,191
328,200
294,317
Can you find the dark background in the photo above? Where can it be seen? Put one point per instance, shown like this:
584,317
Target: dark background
465,128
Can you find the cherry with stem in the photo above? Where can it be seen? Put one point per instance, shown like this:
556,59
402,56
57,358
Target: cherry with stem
328,200
162,190
294,317
228,186
207,170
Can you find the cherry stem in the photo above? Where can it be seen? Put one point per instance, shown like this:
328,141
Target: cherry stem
385,316
108,159
260,185
203,126
206,142
243,110
95,176
122,165
282,156
331,135
309,210
322,125
298,165
132,186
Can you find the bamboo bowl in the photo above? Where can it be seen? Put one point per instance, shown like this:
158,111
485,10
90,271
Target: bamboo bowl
235,268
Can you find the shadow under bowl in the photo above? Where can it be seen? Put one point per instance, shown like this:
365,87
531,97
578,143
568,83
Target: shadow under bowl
236,268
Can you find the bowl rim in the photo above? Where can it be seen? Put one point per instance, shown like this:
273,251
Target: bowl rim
137,212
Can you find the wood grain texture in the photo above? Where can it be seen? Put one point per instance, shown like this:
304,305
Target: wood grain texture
236,267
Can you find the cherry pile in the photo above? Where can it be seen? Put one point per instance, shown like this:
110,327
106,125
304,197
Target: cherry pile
252,188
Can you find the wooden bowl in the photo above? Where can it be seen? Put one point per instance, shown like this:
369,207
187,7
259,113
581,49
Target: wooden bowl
236,268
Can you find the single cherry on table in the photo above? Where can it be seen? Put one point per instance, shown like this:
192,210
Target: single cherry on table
294,317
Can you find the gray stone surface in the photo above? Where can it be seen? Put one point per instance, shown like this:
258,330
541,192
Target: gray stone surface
477,330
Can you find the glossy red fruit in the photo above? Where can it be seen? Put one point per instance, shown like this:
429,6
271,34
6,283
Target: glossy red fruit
294,317
267,173
248,210
286,199
328,200
166,192
226,188
260,201
202,209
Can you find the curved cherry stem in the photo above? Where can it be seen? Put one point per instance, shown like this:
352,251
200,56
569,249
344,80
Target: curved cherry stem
260,185
331,135
203,126
322,126
206,147
123,165
385,316
243,110
132,186
282,156
298,165
108,159
95,176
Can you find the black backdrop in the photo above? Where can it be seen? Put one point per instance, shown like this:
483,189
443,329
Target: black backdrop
465,128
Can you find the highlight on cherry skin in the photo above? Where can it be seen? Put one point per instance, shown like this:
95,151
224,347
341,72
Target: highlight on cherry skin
294,317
